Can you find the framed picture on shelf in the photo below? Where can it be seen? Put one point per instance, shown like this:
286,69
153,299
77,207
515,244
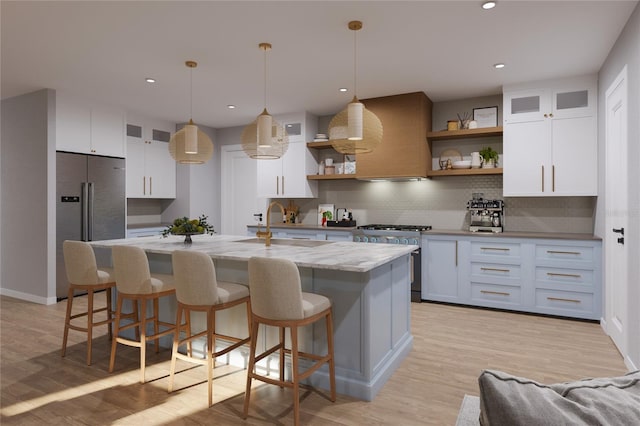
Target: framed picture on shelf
349,164
486,116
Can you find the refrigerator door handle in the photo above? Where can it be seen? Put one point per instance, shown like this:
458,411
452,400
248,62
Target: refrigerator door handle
84,214
90,212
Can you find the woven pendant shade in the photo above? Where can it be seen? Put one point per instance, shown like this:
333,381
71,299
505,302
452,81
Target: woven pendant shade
190,145
371,133
178,147
264,138
273,142
355,129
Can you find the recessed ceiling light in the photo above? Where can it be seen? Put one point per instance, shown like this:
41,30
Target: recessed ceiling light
343,89
498,65
150,80
231,106
488,5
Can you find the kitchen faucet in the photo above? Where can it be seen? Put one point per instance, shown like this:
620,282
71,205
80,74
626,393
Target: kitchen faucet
267,234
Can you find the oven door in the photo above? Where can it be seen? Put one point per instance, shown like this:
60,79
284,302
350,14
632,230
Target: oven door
416,276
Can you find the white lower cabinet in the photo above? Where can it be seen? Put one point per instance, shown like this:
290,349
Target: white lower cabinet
555,277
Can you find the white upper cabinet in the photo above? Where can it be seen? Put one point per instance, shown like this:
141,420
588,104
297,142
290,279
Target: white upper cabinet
88,127
550,138
286,177
151,171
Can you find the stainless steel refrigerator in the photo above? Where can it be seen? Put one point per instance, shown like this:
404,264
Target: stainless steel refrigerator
90,204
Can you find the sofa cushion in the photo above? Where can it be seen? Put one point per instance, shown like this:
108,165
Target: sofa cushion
511,400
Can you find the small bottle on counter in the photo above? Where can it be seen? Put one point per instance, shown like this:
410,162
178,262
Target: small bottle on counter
321,168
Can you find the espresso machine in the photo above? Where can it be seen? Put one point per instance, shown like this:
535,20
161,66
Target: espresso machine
486,215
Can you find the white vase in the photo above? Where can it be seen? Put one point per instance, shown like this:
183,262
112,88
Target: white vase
488,164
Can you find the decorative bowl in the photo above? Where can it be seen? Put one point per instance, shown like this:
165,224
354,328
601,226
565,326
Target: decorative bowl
462,164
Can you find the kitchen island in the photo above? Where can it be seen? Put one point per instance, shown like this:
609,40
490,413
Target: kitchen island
368,284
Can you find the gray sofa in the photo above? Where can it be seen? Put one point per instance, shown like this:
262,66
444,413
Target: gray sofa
511,400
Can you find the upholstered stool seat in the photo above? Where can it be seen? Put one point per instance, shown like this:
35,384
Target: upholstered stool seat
277,300
84,275
197,289
134,282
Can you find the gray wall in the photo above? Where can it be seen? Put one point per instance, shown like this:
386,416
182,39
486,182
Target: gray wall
626,51
28,196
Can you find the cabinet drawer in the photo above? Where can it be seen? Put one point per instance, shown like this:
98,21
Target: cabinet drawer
564,253
496,251
564,279
495,294
565,303
496,273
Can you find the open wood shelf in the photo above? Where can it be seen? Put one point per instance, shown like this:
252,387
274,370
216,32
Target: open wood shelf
465,172
320,145
331,177
466,133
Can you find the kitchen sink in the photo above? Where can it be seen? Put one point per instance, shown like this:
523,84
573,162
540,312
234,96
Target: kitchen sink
287,242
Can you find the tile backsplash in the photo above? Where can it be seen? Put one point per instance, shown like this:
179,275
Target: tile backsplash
441,202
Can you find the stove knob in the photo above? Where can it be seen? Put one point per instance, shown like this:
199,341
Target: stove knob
373,239
414,242
404,241
396,241
356,239
364,239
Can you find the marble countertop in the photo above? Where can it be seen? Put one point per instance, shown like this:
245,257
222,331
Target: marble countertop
305,226
514,234
335,255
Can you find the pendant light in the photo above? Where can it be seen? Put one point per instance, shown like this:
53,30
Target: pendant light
190,145
355,129
265,138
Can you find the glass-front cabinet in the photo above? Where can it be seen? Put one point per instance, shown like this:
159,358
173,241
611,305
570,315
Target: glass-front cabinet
550,138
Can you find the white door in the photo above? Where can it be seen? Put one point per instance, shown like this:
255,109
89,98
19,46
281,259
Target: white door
617,212
239,191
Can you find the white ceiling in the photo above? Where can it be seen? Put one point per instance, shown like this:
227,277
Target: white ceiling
104,50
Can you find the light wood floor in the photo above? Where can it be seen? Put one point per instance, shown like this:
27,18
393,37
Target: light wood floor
452,345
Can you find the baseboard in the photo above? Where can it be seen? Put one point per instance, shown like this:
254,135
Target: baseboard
629,364
28,297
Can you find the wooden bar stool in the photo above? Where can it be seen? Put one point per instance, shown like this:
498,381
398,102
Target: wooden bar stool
197,289
84,275
277,300
134,282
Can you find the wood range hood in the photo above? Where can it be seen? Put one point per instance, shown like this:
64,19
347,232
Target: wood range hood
404,152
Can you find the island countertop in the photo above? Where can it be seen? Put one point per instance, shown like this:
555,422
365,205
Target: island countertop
334,255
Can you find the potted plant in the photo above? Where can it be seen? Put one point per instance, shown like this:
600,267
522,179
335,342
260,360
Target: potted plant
489,157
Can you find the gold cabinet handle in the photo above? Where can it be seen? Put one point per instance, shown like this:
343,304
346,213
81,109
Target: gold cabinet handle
546,115
553,178
144,185
499,293
551,115
495,270
542,174
560,299
555,274
494,248
577,253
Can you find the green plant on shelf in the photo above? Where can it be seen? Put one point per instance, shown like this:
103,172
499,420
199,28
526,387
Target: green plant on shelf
488,154
186,226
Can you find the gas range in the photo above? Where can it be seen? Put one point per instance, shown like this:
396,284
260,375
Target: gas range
390,234
398,234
